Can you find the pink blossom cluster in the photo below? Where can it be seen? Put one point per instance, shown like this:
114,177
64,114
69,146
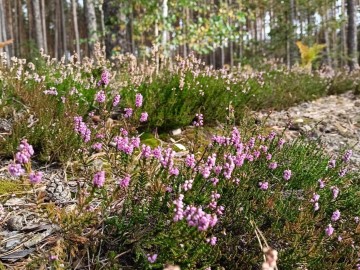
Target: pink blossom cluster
190,161
105,78
125,182
196,217
25,152
23,156
199,120
116,100
99,179
188,184
138,100
81,128
126,144
100,96
144,117
52,91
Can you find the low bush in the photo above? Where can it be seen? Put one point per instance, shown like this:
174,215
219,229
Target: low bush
216,207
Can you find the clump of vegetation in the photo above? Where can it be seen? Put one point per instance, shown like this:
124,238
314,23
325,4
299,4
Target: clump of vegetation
42,97
213,207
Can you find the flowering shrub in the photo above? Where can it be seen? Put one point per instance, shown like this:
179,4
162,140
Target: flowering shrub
195,209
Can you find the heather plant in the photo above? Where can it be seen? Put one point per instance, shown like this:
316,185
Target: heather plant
146,206
42,97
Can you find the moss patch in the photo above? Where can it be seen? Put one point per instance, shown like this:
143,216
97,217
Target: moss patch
11,186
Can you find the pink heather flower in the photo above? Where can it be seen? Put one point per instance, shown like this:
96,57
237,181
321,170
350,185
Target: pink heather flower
335,192
271,136
321,183
287,175
329,230
335,216
273,165
124,132
199,122
25,152
152,258
100,96
116,100
135,141
16,169
157,153
52,92
190,161
81,129
100,136
97,146
339,238
331,163
99,179
214,181
218,169
145,151
268,156
144,117
316,206
196,217
212,240
356,219
138,100
54,257
63,99
174,171
343,172
315,198
264,185
179,208
256,154
347,156
251,143
188,184
105,78
35,177
125,181
128,112
281,143
263,148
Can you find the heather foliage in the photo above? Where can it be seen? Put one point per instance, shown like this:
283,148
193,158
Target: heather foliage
43,96
227,202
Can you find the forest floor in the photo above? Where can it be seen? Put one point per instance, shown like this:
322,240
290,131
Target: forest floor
25,230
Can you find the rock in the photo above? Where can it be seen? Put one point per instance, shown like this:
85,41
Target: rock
180,146
176,132
15,202
15,223
5,125
333,118
57,190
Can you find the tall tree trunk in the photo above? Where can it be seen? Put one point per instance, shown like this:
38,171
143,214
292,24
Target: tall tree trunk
165,13
76,28
91,24
327,38
17,30
38,25
43,19
291,45
10,26
63,26
3,36
352,35
57,48
343,39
